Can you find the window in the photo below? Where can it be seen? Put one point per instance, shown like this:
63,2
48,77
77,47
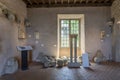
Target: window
69,26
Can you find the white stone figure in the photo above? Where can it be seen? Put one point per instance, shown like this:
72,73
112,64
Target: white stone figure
85,60
11,66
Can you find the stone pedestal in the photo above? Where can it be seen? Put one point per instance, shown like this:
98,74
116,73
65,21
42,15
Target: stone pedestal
73,51
85,60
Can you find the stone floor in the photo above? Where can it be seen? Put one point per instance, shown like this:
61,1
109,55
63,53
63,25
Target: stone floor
104,71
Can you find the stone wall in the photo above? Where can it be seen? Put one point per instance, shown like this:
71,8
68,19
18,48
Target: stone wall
9,30
115,10
44,20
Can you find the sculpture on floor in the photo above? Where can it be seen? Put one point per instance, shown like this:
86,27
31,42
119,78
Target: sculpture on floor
47,61
60,63
73,41
99,57
11,66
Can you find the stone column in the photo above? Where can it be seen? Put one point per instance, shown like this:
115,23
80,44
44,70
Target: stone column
75,48
71,49
73,38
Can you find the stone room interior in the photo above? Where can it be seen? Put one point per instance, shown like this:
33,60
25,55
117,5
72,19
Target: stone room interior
59,39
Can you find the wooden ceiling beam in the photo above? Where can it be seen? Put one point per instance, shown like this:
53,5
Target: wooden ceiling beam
55,1
106,1
49,1
81,1
43,1
100,1
87,1
93,1
36,1
112,1
70,5
68,1
74,1
62,1
29,1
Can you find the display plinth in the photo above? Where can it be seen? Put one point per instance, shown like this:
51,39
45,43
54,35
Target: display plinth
74,65
24,50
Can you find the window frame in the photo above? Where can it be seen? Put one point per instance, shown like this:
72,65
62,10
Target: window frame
78,42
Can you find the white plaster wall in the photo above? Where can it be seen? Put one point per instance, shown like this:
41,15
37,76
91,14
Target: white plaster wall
9,30
44,20
115,10
16,6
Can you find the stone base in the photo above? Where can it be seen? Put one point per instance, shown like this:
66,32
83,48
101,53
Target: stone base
74,65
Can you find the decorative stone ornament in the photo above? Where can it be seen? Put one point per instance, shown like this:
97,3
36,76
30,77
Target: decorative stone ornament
27,23
99,57
11,16
5,12
17,19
